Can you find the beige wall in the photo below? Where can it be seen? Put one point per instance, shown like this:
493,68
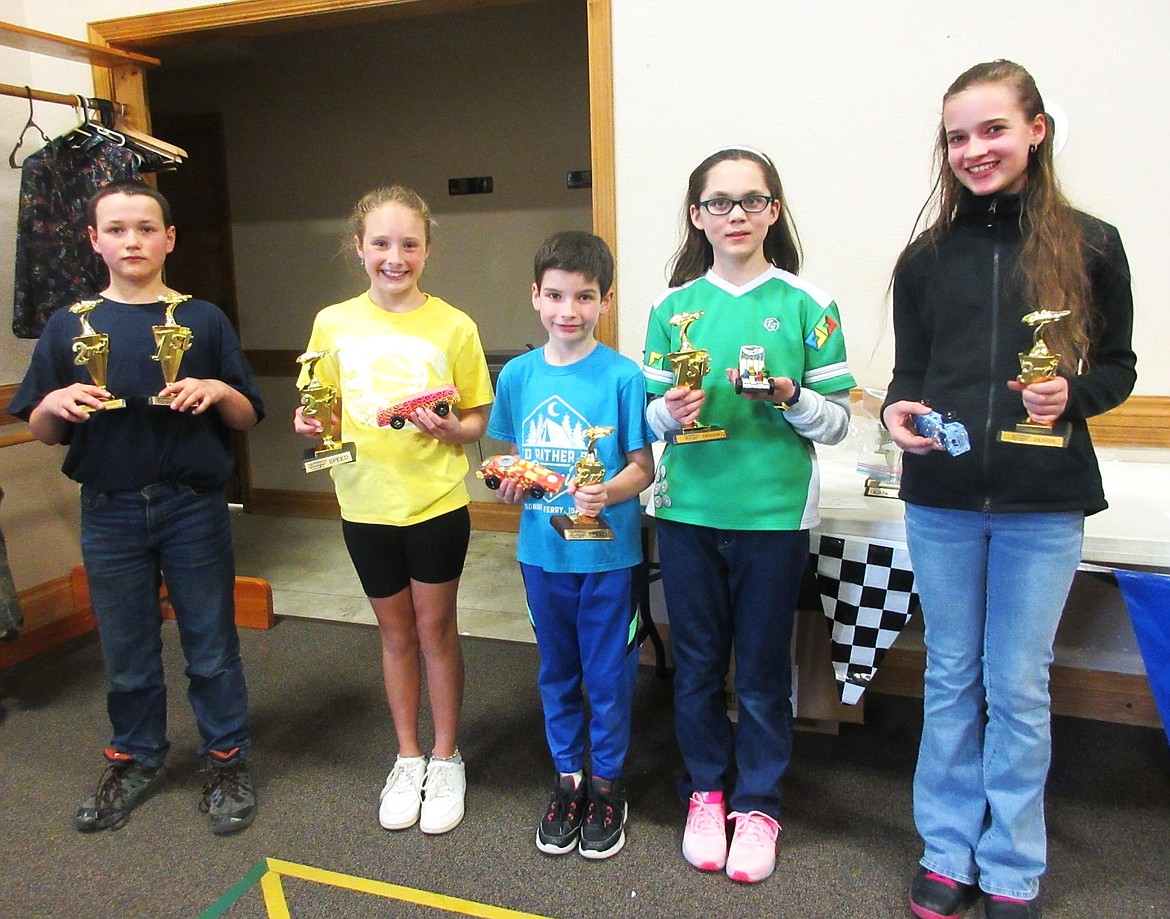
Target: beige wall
845,97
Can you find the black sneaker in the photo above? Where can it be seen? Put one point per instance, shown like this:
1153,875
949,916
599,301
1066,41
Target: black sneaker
123,786
227,793
561,825
997,907
603,832
934,896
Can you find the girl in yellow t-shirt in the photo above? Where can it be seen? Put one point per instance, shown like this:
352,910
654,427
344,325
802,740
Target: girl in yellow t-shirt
403,500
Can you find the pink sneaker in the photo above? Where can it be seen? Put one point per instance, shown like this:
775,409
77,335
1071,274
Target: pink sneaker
753,847
704,842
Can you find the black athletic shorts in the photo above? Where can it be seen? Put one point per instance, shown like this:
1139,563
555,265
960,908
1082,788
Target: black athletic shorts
387,558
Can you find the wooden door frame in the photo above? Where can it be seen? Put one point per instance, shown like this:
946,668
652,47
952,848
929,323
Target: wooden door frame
127,83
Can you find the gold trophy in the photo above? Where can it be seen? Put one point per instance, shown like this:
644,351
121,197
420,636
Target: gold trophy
690,365
318,400
588,471
1036,365
887,483
93,352
170,340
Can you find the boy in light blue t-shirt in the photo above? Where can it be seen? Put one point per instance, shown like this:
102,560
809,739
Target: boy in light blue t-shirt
581,593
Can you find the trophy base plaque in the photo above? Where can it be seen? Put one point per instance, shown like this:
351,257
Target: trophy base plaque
107,405
160,400
325,457
880,488
1038,435
577,527
696,434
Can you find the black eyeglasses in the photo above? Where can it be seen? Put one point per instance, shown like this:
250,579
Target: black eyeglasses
752,204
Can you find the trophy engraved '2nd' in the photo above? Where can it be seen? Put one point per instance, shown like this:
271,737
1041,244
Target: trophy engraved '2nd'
318,399
589,470
171,340
690,365
93,352
1040,363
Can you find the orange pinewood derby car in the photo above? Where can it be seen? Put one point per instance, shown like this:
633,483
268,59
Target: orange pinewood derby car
538,481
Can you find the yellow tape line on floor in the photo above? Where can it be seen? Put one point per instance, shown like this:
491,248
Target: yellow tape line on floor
274,900
274,893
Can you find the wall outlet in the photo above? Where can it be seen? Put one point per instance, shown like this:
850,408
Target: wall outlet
470,185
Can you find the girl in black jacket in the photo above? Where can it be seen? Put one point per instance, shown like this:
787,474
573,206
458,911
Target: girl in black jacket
995,533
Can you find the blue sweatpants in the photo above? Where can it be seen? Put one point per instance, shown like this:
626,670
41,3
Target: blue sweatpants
586,628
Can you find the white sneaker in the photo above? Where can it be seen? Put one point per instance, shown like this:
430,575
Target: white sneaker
401,797
443,791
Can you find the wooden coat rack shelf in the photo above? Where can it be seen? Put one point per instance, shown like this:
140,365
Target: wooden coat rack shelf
117,74
22,39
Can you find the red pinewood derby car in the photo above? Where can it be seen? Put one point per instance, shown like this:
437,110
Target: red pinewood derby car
538,481
438,400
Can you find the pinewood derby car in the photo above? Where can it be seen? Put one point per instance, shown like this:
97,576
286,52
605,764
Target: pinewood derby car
439,400
538,481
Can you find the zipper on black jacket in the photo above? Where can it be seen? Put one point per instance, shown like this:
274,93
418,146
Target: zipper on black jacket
992,224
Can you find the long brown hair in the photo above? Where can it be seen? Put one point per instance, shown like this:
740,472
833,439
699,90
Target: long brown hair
695,255
1052,259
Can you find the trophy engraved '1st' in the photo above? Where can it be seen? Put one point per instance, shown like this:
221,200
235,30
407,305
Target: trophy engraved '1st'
690,365
93,352
1036,365
318,400
171,340
588,471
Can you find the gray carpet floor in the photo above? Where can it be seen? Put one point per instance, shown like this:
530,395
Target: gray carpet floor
323,743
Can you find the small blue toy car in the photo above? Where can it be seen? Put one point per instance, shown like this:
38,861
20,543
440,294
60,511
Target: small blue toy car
947,433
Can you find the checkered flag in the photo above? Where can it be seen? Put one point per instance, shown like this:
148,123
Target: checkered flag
867,590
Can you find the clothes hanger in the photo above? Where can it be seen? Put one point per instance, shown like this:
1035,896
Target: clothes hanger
85,134
28,124
148,142
91,132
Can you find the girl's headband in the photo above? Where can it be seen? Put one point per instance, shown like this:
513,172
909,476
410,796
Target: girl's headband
752,150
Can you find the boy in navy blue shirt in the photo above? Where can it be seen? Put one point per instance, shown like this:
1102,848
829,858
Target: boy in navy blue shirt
152,502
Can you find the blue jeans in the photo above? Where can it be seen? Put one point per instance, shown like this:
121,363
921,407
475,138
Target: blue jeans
726,587
129,541
586,630
993,587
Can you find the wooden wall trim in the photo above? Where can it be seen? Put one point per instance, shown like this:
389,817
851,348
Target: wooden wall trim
7,391
1124,698
267,17
601,145
50,619
1121,698
1141,421
485,515
278,502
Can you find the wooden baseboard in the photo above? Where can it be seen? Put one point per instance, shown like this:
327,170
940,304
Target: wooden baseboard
493,516
59,610
50,619
254,608
1123,698
278,502
485,515
1140,421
